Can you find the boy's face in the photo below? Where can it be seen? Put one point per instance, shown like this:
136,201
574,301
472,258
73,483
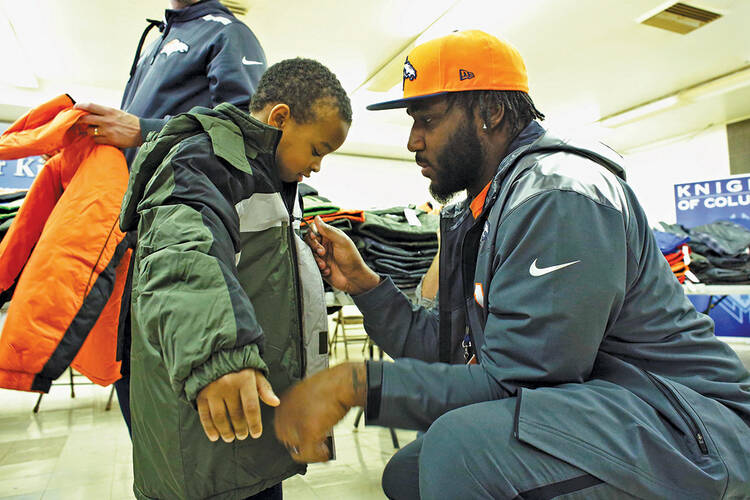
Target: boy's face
303,145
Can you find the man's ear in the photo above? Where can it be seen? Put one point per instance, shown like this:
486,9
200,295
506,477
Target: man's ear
496,118
279,116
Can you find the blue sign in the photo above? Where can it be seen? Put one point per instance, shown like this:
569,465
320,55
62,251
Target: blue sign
699,203
21,173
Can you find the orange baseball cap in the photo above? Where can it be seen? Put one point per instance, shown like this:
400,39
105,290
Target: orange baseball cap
464,60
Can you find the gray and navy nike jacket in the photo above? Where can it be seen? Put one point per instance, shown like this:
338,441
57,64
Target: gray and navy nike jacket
204,56
571,309
221,282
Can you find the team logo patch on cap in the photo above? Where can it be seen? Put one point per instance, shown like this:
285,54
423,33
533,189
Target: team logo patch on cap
409,72
465,75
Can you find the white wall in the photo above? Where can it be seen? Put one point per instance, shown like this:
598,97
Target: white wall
653,171
359,182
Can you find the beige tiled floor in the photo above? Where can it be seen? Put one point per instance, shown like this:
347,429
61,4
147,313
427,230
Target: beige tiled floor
75,449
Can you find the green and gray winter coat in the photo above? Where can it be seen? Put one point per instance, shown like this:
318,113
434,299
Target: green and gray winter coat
221,282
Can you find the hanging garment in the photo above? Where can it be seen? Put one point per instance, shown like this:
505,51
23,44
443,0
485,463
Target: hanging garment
64,252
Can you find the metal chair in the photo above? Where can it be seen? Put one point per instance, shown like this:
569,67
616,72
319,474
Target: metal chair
73,392
350,321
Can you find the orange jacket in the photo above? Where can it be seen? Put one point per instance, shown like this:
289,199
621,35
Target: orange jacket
65,252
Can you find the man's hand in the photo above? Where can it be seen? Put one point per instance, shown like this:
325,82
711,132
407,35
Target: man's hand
312,407
111,126
339,261
229,405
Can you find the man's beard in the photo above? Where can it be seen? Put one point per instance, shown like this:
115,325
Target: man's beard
457,164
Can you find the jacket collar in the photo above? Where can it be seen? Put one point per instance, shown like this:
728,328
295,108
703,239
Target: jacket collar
531,133
236,136
195,11
525,139
261,136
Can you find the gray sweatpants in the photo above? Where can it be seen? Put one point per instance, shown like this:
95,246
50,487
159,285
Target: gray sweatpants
460,457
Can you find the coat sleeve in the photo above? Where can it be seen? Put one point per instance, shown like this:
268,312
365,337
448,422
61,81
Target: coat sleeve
187,298
236,65
149,125
27,227
400,327
558,281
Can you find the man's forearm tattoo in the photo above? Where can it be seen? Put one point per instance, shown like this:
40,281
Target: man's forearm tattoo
357,384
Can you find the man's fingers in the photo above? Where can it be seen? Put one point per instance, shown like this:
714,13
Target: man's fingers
235,407
331,234
311,452
324,229
219,415
251,410
90,120
323,267
92,108
265,391
206,421
313,240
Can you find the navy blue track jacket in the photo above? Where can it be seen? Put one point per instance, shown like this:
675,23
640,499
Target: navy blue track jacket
205,56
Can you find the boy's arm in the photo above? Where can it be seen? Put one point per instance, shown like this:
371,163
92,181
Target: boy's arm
187,299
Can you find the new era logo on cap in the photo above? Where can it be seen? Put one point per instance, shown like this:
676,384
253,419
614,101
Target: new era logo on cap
465,75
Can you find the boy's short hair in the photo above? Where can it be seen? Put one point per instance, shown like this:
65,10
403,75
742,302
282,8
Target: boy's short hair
301,83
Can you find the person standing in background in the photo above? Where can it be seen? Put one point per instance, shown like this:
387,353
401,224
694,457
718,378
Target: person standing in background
205,56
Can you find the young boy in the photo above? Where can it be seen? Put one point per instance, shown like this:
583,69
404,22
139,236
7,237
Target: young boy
227,301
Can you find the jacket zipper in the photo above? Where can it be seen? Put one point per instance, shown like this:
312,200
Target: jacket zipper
471,348
161,42
695,431
300,299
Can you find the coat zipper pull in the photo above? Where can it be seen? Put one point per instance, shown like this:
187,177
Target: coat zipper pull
466,344
701,442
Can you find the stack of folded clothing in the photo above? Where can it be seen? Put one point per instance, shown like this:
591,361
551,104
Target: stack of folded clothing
398,242
675,249
10,202
720,251
315,204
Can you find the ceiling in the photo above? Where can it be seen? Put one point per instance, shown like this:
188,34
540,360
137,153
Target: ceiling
586,59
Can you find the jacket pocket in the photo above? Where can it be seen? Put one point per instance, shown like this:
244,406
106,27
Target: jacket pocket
674,401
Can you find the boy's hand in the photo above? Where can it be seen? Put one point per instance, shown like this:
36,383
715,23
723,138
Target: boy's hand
339,261
312,407
229,406
111,126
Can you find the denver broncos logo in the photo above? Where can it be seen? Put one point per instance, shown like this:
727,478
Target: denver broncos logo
409,72
218,19
174,46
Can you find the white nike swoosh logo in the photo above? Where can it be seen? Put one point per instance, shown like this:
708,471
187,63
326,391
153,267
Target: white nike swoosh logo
541,271
248,62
